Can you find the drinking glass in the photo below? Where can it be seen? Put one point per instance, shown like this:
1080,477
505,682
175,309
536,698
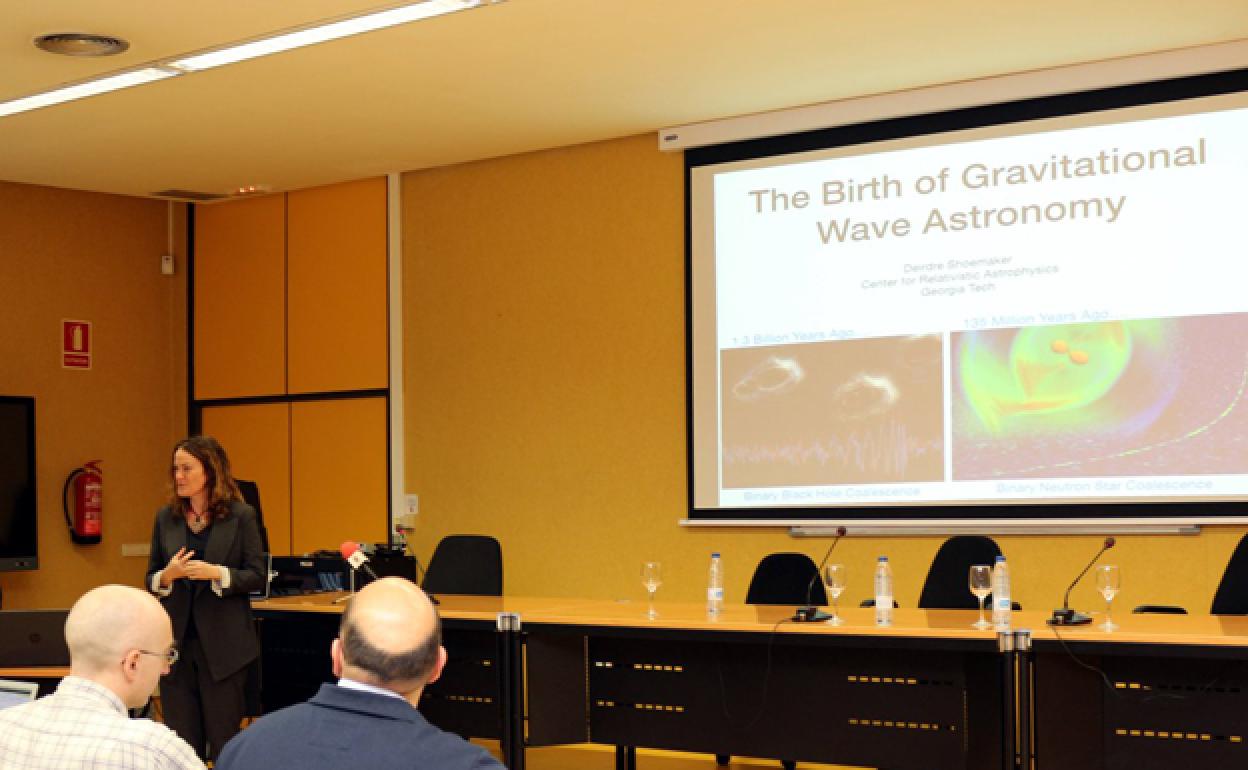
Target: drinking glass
651,578
1108,582
980,582
834,581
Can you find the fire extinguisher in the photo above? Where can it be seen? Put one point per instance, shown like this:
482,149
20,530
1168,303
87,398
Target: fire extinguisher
88,503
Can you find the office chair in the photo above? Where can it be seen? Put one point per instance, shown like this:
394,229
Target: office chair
946,584
465,564
1159,609
1231,598
783,578
251,495
945,587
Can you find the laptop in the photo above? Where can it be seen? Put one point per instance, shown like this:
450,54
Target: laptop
15,693
33,638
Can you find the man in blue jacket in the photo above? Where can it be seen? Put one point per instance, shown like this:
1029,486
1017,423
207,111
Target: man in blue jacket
389,647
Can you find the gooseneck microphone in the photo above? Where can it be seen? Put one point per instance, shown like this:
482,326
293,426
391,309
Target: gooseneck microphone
356,558
809,613
1066,616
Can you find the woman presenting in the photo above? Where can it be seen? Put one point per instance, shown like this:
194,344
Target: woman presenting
206,558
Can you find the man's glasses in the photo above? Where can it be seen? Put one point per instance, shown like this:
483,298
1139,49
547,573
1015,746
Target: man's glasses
170,657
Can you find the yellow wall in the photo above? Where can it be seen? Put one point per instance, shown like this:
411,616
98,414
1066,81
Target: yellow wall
545,394
95,257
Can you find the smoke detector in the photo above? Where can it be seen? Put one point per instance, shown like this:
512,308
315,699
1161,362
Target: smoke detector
81,44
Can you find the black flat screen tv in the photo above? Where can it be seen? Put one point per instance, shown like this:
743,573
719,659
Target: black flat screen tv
18,511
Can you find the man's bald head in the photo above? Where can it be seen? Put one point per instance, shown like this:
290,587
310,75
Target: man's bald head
391,636
107,622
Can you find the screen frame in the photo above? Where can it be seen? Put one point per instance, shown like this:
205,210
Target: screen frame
1013,516
13,561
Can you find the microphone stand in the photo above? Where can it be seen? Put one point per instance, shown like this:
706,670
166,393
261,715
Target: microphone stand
810,613
363,564
1066,616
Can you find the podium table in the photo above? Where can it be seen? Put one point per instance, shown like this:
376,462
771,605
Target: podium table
929,692
1161,692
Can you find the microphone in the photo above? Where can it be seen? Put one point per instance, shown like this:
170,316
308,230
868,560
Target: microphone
1066,616
359,560
810,613
356,558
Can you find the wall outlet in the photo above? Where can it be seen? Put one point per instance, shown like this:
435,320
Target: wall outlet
136,549
166,264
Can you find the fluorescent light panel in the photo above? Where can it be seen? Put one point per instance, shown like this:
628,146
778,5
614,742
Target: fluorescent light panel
83,90
332,31
286,41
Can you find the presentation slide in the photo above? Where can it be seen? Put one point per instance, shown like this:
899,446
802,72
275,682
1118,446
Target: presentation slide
1050,312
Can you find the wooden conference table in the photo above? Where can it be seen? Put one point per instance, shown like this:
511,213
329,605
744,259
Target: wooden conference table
928,692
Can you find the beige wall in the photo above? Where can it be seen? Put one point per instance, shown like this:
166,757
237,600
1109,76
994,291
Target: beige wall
545,394
95,257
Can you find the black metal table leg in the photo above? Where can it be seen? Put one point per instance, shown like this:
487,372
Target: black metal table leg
511,689
625,758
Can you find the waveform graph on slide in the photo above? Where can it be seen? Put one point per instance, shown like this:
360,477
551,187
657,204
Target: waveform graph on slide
833,412
1149,397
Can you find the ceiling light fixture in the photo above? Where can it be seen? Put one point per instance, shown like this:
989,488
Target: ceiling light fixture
82,90
283,41
334,30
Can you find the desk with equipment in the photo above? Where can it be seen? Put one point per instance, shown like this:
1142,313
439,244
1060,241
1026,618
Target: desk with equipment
926,693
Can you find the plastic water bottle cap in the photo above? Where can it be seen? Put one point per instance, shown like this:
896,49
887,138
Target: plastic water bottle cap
1000,558
883,558
714,554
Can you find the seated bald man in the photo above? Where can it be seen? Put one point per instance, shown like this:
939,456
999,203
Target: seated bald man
389,647
120,643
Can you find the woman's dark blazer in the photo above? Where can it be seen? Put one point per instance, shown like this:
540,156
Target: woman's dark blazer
224,624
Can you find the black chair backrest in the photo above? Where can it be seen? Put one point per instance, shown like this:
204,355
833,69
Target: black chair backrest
466,564
1159,609
251,496
1232,594
783,578
946,584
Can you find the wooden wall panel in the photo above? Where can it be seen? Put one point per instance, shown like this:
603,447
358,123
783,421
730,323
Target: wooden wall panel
338,463
240,306
337,282
256,437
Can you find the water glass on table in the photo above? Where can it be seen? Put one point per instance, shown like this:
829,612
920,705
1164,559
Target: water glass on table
980,581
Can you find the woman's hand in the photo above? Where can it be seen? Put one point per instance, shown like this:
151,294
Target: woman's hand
202,570
176,568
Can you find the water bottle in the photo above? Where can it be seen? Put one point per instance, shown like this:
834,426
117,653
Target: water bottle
715,587
1001,603
883,592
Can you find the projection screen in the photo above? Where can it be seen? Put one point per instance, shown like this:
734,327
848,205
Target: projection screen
1035,309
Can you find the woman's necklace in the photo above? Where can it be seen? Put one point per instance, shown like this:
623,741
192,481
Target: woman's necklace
197,521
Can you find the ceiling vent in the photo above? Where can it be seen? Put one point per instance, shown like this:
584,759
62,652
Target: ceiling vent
190,195
81,44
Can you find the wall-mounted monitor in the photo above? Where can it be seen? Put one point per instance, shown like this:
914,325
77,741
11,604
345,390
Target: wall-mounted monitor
1024,311
18,510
